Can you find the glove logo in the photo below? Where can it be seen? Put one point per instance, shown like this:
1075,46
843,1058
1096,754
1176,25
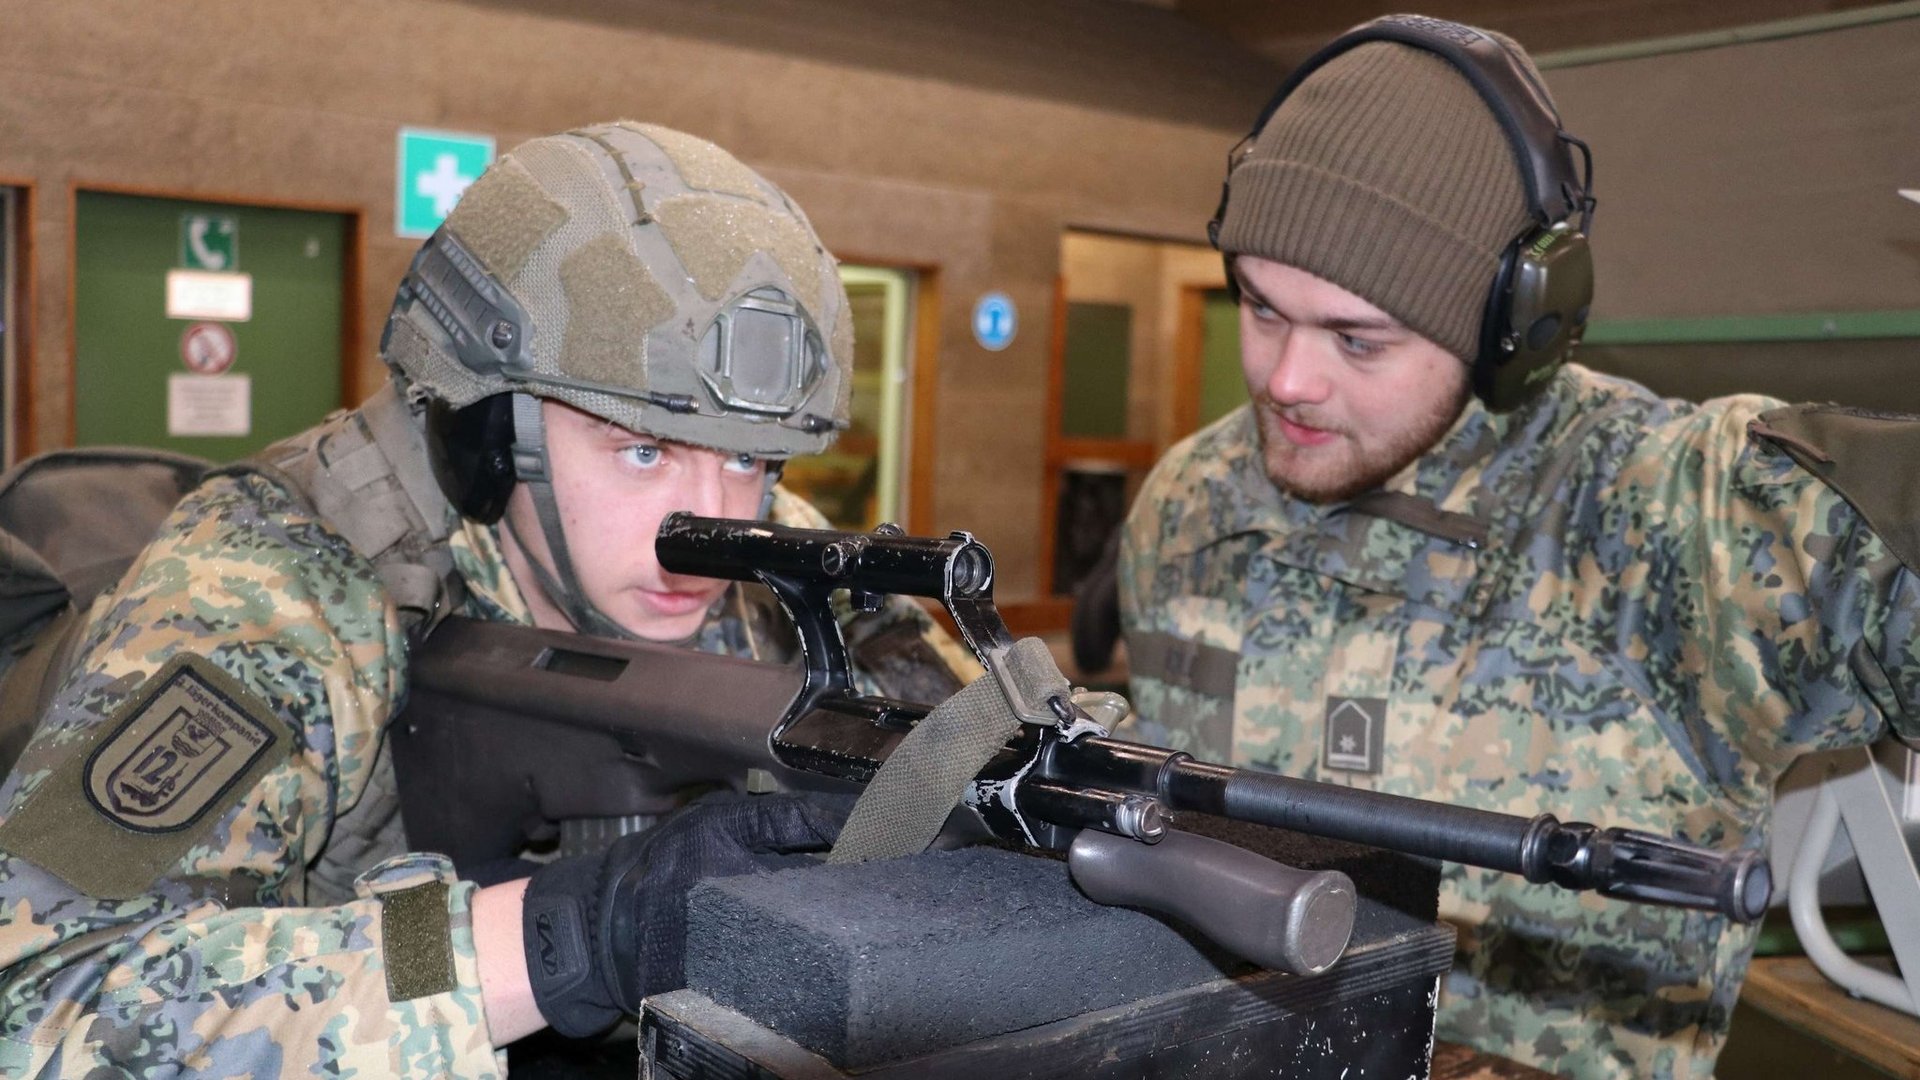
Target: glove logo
558,945
549,954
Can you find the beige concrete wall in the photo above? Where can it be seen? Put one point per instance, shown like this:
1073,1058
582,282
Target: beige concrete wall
1757,178
1022,120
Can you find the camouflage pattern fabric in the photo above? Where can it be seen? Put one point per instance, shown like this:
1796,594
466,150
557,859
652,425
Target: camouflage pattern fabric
1664,613
221,968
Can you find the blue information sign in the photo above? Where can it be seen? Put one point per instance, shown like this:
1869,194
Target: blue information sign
995,321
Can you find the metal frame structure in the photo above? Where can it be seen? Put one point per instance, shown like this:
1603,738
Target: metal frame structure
1861,791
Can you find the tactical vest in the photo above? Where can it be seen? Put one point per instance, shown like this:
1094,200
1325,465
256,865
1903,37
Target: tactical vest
365,472
367,475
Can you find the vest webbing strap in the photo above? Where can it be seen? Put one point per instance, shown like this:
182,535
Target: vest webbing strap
367,474
1202,668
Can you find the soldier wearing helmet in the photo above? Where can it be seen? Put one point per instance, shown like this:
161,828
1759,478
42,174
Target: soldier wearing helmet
202,865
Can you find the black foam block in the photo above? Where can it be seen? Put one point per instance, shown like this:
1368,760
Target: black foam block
870,962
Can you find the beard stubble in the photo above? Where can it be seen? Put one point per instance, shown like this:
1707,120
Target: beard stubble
1342,469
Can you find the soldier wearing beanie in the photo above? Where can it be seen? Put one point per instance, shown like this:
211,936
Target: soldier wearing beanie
1433,558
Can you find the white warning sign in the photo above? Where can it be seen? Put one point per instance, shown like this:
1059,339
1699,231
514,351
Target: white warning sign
209,404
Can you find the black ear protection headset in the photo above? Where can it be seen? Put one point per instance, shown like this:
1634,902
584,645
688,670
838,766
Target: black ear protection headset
1538,301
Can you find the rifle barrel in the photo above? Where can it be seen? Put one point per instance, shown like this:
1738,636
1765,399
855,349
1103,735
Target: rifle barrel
1615,862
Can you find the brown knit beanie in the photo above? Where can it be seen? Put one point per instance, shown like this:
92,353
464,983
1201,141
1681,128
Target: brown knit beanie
1386,174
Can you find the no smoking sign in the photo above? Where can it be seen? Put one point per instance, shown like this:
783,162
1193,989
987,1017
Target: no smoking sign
208,348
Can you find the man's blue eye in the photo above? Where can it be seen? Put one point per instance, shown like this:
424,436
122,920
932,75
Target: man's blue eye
745,463
1358,346
644,455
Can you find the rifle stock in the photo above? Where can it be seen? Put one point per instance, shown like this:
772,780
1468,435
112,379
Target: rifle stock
509,729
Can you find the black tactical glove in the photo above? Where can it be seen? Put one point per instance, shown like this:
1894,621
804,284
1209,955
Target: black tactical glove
604,931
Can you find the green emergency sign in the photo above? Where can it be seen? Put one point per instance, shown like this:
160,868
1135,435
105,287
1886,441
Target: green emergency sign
434,169
209,242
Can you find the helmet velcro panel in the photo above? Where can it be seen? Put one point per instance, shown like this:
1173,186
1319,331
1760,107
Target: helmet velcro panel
715,237
612,302
597,210
503,216
704,166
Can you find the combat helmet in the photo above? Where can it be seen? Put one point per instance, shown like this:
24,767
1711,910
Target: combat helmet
634,272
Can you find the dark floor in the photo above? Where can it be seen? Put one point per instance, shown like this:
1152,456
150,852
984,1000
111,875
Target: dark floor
1762,1048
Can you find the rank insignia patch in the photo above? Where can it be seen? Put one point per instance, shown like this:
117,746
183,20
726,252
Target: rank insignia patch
1354,731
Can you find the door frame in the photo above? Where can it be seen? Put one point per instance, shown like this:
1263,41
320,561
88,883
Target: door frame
923,392
25,297
353,261
1060,449
1189,357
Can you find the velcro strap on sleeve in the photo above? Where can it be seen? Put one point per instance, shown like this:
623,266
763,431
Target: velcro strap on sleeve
1192,665
416,939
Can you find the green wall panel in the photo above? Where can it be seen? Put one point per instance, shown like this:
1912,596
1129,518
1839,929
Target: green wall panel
1099,360
1817,326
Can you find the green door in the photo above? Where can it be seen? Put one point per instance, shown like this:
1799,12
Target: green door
139,373
1099,363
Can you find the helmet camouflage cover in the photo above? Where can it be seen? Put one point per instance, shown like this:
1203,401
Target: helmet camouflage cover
643,275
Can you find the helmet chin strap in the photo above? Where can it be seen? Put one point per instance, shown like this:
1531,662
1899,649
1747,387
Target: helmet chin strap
530,466
774,469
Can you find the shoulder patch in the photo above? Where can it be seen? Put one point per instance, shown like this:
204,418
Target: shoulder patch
183,742
115,816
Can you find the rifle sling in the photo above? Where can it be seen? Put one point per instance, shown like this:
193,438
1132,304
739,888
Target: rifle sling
909,799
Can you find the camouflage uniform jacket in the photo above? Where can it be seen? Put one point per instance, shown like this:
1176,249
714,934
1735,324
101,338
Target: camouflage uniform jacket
1617,608
220,966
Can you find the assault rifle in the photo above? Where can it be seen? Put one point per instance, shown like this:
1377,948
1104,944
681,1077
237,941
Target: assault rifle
512,729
